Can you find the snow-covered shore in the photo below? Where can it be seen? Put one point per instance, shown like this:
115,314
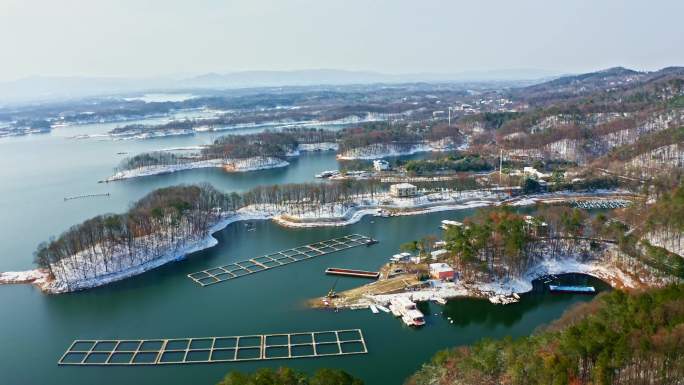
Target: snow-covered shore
384,150
602,268
41,279
230,165
315,216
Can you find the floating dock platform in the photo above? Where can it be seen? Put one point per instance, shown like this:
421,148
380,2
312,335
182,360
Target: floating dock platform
214,349
572,289
86,196
353,273
280,258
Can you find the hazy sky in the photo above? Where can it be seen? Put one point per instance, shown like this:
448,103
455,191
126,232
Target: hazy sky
162,37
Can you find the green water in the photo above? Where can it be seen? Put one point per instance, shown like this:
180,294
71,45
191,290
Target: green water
35,328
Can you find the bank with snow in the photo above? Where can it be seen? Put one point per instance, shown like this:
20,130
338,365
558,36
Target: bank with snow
229,165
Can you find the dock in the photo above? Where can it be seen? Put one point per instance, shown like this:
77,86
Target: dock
280,258
86,196
353,273
178,351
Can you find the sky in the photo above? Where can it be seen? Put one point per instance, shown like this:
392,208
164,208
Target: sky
151,38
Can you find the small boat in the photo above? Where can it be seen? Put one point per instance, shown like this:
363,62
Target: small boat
447,223
374,309
371,241
572,289
440,300
327,174
382,308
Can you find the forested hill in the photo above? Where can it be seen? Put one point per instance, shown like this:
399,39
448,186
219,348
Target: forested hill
617,338
616,79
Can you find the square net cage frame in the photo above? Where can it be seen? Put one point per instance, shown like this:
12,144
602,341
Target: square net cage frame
178,351
239,269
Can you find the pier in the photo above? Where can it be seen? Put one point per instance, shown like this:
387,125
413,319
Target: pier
280,258
352,273
178,351
86,196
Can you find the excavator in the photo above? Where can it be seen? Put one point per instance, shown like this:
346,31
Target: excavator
331,292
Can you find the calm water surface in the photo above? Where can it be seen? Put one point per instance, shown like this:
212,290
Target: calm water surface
35,329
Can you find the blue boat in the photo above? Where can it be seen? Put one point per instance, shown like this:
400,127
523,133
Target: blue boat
572,289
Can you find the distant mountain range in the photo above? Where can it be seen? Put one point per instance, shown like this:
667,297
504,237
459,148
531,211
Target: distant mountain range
42,88
544,84
616,78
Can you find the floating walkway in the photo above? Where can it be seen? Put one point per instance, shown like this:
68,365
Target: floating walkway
86,196
352,273
277,259
214,349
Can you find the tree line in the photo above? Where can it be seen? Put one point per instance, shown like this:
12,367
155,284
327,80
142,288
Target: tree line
264,144
165,220
618,338
399,134
287,376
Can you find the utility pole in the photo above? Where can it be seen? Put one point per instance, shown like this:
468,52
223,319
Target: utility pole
500,164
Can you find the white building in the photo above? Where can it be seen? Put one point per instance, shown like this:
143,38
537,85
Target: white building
381,165
441,271
531,171
438,253
403,190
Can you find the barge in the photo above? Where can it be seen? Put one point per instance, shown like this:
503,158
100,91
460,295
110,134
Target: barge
572,289
352,273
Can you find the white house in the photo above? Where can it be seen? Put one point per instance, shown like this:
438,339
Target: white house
381,165
403,190
531,171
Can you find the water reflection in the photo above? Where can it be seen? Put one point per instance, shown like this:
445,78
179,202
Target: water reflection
466,311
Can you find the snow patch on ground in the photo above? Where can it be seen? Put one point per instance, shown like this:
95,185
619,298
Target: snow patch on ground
383,150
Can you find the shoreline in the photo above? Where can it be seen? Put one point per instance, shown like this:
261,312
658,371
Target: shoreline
381,150
169,169
270,162
495,290
40,279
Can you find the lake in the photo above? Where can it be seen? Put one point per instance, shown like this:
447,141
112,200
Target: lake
35,329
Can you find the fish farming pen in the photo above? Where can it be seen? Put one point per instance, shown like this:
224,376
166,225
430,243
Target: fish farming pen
86,196
280,258
602,204
177,351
